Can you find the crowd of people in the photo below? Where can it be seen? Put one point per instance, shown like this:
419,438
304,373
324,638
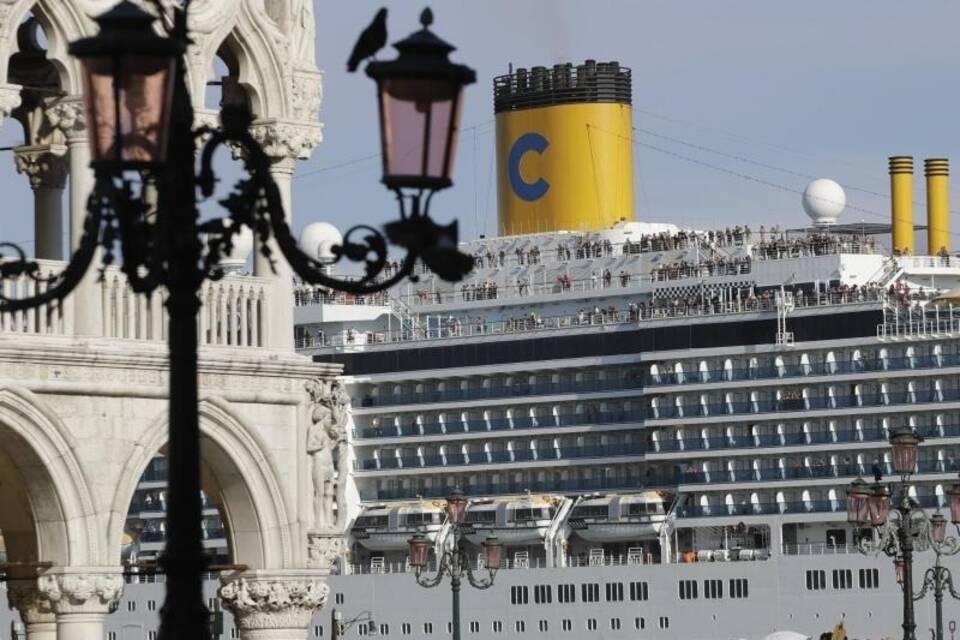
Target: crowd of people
779,246
719,266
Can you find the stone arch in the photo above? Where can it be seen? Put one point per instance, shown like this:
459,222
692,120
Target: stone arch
38,452
239,475
62,22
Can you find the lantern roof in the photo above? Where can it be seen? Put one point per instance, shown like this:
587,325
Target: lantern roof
126,30
423,55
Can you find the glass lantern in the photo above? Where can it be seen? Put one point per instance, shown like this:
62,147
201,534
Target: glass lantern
858,496
420,96
456,507
898,567
905,444
953,496
128,74
419,549
879,505
492,553
938,527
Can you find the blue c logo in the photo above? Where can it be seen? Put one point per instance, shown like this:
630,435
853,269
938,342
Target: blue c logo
528,191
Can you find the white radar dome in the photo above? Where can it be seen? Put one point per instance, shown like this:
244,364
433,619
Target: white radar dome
318,239
824,201
242,248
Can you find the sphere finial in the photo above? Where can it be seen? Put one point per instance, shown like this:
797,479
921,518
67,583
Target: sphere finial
426,18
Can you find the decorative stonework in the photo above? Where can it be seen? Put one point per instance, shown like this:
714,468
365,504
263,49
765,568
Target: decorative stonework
24,596
324,551
327,435
306,95
82,592
68,116
44,165
9,97
274,601
287,140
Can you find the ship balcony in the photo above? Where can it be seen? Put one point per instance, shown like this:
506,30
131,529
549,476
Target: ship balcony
712,377
518,390
795,507
529,455
565,486
495,425
672,446
751,408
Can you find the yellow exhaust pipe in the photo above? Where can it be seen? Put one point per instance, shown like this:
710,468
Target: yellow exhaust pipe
901,201
937,171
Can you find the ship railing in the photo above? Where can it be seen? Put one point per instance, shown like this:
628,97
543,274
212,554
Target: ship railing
928,262
307,295
454,327
816,549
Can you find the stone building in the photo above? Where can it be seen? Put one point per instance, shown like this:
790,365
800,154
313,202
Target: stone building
83,385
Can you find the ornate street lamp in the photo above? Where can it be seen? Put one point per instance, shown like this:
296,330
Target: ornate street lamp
141,120
895,536
455,561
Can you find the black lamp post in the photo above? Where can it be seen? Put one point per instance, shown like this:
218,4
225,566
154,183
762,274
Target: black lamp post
141,120
870,506
455,562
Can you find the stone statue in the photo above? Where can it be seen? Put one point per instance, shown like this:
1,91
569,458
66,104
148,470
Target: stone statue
325,435
303,32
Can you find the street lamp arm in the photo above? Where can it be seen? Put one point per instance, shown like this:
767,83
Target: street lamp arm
480,583
433,581
14,263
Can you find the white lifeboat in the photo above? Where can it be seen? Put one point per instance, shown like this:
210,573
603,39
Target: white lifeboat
615,518
514,521
388,528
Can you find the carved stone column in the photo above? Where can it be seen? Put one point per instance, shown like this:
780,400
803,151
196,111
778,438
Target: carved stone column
67,116
81,597
274,604
35,610
46,169
284,143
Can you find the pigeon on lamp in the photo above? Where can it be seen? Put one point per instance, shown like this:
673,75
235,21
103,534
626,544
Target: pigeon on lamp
373,38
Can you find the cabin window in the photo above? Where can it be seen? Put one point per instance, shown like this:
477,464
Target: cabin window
590,511
371,522
639,623
384,629
664,622
869,578
566,624
542,594
317,631
614,624
591,624
427,627
738,588
417,519
688,589
406,629
816,580
842,579
482,516
497,626
645,509
566,593
638,591
614,591
713,589
521,626
338,598
518,594
543,625
590,592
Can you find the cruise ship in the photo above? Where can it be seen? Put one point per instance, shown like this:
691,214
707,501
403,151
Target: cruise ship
658,422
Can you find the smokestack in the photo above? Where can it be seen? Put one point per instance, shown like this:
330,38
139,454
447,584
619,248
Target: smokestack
937,171
901,203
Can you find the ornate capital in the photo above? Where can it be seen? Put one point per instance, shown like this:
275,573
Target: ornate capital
287,140
24,596
69,117
44,165
9,100
82,590
324,550
274,600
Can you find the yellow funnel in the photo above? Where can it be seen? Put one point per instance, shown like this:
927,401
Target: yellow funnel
937,171
901,201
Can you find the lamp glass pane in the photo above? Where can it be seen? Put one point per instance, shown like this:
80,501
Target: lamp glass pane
954,495
419,549
898,569
493,554
417,116
855,507
938,529
879,508
145,92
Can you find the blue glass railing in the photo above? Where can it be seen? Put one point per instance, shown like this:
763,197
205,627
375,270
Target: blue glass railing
500,488
502,424
497,457
803,404
515,390
801,370
761,508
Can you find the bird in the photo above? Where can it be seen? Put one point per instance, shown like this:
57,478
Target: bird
373,38
877,471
